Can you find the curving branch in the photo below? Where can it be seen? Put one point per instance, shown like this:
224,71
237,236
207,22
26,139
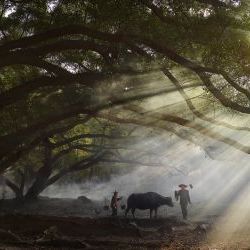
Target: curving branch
234,84
159,13
50,67
125,39
87,79
155,119
23,44
17,93
179,87
78,166
82,147
63,45
197,127
31,56
154,123
11,141
200,71
13,186
220,97
35,39
17,154
89,162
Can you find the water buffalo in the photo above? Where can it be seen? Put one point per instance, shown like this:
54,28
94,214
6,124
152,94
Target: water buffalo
145,201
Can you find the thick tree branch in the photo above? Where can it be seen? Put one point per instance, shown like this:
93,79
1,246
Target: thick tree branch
155,119
51,68
200,71
194,110
11,141
24,89
13,187
53,34
222,99
82,147
16,155
64,45
31,56
198,127
112,38
234,84
128,39
80,165
154,123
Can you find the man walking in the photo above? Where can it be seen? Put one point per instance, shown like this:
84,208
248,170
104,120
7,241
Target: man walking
114,203
183,194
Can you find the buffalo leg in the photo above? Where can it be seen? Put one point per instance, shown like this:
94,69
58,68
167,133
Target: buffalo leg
156,213
151,210
133,212
126,211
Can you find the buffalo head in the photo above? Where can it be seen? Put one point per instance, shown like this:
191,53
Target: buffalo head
168,201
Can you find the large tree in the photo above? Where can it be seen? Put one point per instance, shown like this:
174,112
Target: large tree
64,59
86,146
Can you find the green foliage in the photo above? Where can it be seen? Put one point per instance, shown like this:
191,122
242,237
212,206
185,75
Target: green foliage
211,36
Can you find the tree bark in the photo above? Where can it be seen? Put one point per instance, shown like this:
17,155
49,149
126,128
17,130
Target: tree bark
39,184
17,191
43,173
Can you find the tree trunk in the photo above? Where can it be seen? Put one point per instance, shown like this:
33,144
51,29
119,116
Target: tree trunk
18,191
39,184
43,173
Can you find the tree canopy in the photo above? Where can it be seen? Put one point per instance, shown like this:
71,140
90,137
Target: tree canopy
65,61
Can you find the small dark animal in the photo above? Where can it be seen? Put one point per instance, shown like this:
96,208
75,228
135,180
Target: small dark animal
84,199
145,201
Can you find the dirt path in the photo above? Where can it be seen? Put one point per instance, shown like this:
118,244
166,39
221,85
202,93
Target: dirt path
50,232
48,224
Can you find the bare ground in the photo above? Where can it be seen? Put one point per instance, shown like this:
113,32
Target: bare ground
71,224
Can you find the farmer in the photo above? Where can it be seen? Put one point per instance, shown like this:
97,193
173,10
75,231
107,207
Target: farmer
114,203
183,194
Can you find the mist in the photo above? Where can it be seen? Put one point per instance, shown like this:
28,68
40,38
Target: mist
216,182
218,171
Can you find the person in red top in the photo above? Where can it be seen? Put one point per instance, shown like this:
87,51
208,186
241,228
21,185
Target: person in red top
183,194
114,203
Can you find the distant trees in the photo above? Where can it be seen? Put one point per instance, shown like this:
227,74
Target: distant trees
84,145
75,148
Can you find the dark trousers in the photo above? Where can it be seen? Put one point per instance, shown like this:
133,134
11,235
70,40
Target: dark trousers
184,209
114,211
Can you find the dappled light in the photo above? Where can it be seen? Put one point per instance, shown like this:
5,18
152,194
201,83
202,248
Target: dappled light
124,124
